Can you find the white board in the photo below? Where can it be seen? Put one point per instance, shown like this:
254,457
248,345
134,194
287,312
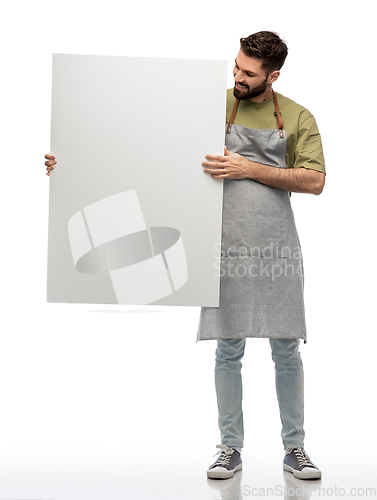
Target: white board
133,218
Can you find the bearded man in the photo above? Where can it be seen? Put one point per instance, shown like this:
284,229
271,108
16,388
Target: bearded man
273,148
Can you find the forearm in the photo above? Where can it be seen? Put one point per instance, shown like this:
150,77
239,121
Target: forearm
295,180
236,166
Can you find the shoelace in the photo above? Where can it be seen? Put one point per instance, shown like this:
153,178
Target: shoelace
225,454
301,455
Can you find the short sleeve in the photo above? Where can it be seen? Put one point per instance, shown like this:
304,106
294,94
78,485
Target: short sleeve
308,152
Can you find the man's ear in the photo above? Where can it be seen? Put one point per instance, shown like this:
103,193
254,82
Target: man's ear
272,77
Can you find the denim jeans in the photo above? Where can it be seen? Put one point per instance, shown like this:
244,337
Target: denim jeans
289,382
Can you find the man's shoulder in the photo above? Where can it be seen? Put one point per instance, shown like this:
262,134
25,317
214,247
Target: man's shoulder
286,105
230,96
292,108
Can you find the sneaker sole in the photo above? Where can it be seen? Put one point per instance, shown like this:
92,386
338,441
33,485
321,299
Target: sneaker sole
304,474
222,473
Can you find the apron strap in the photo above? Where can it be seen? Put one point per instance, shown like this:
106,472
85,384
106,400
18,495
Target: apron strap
279,119
232,116
277,113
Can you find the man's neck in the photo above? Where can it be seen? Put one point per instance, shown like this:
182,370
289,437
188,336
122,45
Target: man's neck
267,94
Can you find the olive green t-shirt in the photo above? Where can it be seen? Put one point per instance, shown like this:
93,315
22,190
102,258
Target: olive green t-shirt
304,146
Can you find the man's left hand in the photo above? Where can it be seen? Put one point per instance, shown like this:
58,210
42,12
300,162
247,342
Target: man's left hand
236,166
232,165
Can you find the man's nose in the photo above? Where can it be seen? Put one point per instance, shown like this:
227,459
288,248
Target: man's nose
239,79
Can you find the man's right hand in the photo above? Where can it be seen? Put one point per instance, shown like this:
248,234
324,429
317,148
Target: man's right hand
50,164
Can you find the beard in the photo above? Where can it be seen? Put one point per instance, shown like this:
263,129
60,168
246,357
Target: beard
249,93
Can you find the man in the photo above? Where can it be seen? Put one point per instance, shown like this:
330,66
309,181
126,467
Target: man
272,148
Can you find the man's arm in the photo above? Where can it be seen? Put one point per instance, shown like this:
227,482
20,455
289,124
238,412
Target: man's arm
295,180
235,166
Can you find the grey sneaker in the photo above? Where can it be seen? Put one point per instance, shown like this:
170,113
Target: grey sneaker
297,461
226,465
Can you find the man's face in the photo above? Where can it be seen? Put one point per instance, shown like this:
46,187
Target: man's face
250,80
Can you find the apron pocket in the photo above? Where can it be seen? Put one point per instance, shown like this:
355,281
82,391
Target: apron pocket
251,232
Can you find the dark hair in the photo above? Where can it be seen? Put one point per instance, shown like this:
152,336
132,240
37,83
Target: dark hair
267,46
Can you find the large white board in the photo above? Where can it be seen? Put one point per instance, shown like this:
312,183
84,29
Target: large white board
133,219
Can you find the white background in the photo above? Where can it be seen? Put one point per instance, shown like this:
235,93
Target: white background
107,402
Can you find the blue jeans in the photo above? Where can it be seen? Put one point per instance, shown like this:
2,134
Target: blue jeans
289,381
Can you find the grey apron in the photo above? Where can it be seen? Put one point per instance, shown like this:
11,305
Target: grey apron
261,272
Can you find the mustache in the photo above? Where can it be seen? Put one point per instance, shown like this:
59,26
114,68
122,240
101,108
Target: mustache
245,86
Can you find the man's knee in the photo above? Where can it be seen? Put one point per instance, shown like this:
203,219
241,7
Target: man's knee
230,350
285,348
